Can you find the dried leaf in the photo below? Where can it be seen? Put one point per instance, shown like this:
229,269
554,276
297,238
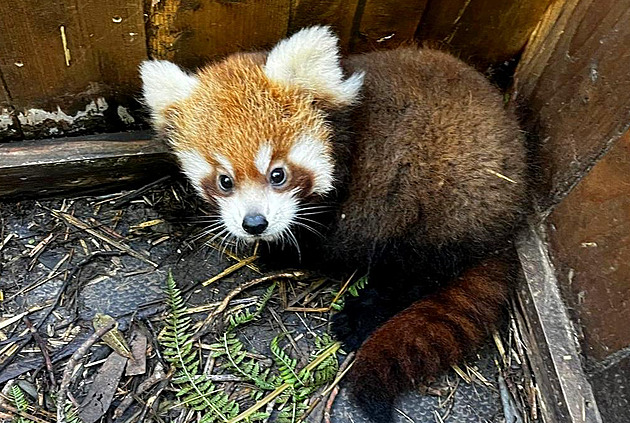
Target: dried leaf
114,338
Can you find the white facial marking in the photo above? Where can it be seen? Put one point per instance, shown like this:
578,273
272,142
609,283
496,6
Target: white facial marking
279,208
314,156
310,59
225,163
263,158
164,83
195,167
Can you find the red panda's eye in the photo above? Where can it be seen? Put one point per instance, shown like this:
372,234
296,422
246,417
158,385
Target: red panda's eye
277,176
225,183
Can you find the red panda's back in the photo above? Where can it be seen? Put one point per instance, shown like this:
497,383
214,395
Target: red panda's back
437,156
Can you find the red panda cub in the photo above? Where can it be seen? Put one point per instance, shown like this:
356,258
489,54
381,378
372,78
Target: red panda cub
404,161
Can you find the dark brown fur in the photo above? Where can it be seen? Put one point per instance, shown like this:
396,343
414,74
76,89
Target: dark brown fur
433,144
428,337
430,179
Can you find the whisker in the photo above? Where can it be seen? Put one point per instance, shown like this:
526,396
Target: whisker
295,242
304,219
207,231
313,230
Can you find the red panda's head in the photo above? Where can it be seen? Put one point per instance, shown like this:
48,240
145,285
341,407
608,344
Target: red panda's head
250,132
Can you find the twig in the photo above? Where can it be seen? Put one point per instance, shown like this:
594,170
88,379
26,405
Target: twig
87,228
53,306
42,346
233,268
70,366
23,414
329,403
330,393
125,198
207,323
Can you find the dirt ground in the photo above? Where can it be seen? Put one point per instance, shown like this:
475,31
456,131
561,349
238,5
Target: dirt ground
62,261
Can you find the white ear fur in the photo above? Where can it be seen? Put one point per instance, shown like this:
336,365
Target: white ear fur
310,59
164,83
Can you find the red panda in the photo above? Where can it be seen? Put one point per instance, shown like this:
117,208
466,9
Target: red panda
408,153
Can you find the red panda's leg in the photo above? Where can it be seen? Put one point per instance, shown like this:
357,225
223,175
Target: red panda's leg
428,337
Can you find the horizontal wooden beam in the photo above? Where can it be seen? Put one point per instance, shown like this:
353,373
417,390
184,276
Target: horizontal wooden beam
88,164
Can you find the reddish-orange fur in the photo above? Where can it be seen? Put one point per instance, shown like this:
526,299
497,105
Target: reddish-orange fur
429,336
236,108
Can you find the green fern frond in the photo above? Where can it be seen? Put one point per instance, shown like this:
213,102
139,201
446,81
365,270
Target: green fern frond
287,366
19,401
339,300
243,317
193,390
72,414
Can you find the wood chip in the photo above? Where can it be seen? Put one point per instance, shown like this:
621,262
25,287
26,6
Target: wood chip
137,365
102,391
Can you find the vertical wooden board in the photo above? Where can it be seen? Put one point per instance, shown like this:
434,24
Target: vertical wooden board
482,31
193,32
339,14
54,53
387,23
579,97
590,235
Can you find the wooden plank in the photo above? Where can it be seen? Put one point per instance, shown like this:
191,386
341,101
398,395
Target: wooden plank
575,81
387,23
565,391
81,164
590,240
62,56
192,33
482,32
339,14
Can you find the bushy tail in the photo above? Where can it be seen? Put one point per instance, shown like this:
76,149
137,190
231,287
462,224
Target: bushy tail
428,337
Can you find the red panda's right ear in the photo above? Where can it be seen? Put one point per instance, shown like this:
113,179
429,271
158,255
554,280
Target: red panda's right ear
310,60
163,84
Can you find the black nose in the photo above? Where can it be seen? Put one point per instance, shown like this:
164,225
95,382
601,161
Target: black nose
255,224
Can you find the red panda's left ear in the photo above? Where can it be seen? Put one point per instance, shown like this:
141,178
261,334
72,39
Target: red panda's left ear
310,60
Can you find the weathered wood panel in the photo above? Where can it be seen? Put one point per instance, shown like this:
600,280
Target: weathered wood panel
590,236
481,31
339,14
386,23
193,32
575,80
59,60
549,336
41,168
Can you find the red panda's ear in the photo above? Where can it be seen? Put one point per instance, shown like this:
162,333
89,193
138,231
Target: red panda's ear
309,59
163,84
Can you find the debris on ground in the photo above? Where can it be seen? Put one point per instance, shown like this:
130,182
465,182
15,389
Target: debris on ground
123,308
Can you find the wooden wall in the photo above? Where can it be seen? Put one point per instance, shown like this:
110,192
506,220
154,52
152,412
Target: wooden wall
71,66
574,78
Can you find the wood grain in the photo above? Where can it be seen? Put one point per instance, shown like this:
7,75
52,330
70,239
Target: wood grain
589,232
387,23
56,54
192,32
81,164
339,14
574,79
105,41
482,32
